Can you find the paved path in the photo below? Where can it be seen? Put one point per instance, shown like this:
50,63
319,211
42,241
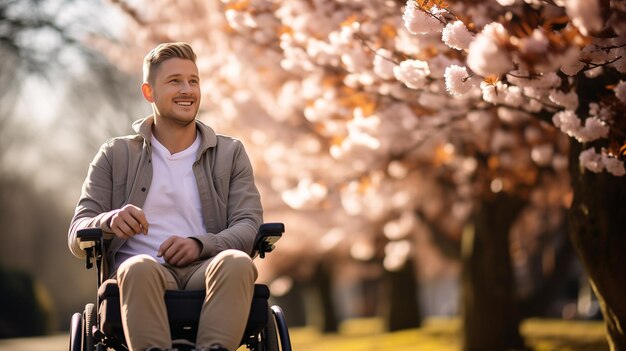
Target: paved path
44,343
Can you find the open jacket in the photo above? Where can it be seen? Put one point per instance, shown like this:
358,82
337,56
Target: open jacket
121,174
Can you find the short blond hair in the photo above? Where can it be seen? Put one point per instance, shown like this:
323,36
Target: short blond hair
163,52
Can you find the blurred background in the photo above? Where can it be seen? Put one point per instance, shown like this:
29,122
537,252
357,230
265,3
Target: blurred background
59,100
388,193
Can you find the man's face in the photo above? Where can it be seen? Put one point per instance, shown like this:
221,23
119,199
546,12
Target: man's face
175,92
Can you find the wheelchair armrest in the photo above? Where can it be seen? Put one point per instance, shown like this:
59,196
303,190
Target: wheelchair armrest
89,237
90,240
267,236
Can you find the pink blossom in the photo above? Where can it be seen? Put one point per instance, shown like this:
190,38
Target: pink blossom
613,165
457,36
597,162
457,80
412,73
418,21
567,122
594,129
590,160
570,124
383,66
493,93
585,14
536,43
567,100
485,55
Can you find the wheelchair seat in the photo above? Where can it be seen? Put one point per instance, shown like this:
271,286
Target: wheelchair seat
183,309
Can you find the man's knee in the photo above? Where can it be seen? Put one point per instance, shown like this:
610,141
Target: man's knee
138,267
233,263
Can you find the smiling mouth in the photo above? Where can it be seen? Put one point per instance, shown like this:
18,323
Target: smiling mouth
184,103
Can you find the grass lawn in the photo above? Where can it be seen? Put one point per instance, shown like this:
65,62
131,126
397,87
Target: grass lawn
443,335
368,335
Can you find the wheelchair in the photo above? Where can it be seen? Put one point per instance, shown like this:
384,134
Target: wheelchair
99,327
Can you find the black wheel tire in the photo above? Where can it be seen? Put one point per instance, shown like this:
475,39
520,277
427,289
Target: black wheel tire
76,332
90,321
283,331
269,334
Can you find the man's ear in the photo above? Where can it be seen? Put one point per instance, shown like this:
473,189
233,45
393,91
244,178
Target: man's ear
146,90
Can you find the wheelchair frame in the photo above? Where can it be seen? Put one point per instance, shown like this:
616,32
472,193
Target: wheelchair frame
85,332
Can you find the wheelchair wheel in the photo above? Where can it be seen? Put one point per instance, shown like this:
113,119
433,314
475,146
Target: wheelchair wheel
281,324
76,332
269,336
89,317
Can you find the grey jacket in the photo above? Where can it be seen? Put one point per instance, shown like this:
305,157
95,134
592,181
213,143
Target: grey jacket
121,174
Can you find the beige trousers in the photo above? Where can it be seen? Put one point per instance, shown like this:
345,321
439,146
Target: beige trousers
229,282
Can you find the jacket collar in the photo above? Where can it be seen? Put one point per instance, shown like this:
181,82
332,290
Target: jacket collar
208,138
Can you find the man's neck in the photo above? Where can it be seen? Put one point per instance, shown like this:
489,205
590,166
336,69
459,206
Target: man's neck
175,138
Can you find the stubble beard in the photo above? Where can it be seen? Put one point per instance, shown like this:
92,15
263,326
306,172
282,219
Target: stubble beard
181,121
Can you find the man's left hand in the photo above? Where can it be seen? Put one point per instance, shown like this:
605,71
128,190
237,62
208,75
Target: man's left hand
179,251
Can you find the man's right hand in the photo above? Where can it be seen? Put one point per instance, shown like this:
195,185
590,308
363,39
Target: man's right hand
128,221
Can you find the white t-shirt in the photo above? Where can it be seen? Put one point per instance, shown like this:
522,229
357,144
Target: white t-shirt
172,205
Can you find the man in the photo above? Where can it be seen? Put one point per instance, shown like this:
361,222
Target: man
178,208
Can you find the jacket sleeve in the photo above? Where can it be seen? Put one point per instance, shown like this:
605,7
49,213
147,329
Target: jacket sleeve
244,212
94,206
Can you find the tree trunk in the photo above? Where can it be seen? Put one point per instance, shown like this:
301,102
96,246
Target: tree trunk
598,223
554,284
402,311
322,314
490,317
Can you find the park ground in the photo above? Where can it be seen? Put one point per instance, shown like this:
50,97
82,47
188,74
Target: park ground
367,335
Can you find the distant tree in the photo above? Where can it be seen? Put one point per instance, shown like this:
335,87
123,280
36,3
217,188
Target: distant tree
23,312
48,41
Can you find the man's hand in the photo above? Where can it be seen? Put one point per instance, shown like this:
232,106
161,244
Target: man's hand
128,221
179,251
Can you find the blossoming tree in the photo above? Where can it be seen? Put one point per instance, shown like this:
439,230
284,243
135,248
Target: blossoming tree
376,121
563,60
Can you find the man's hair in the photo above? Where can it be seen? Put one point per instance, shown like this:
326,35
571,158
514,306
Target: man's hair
162,52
